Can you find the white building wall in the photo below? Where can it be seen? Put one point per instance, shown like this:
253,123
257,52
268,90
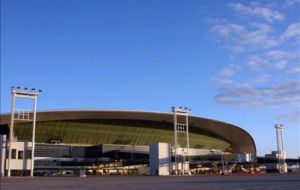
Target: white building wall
160,159
20,163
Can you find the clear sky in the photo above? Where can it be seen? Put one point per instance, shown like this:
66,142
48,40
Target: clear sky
235,61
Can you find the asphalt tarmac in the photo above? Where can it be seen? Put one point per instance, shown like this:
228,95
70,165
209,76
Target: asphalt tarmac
236,182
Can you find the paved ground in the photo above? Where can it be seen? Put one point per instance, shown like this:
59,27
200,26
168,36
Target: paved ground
262,182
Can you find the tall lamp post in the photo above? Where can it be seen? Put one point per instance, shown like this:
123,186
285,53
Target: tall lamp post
22,115
181,125
280,148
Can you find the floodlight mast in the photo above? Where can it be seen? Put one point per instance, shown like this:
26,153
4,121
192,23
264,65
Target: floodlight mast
18,92
280,147
182,127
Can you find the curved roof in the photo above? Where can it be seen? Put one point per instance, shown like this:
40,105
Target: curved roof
240,140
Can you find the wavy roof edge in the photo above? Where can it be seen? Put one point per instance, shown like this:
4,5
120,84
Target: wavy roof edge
240,139
117,110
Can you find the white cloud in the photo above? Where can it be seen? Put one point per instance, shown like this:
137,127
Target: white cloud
277,54
222,81
284,93
261,78
259,37
280,65
226,30
280,59
224,77
263,12
256,62
294,70
293,30
293,117
291,2
274,64
240,38
276,59
228,71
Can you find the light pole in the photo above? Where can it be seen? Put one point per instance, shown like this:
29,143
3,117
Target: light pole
181,125
280,148
24,116
222,156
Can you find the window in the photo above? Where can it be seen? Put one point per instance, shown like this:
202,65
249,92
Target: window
20,154
13,153
27,154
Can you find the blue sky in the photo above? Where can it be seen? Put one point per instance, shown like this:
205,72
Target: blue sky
235,61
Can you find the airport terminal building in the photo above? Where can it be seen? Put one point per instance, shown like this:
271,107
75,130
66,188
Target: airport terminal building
102,140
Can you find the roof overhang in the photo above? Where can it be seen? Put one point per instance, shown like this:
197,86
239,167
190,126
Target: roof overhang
240,140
